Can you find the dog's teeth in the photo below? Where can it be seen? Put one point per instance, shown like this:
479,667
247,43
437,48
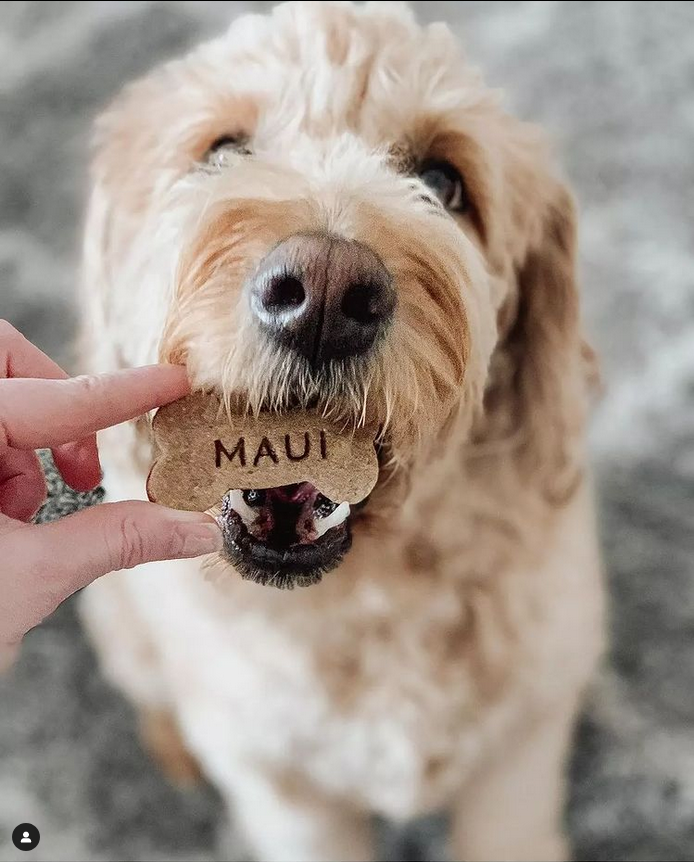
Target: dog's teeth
239,505
323,507
322,525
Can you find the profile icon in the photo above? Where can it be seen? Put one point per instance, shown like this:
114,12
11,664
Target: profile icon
26,836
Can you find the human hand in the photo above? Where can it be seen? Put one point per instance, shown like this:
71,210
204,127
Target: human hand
40,566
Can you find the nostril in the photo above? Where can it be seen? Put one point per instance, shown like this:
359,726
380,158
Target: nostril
324,297
361,303
283,293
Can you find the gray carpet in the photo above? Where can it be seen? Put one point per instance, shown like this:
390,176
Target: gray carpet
613,82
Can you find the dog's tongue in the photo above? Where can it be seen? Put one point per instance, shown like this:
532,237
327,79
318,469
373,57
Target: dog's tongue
297,494
288,514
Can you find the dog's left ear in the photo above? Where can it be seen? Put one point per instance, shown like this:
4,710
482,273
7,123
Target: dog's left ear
550,360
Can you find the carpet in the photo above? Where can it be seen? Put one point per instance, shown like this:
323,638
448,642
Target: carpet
612,82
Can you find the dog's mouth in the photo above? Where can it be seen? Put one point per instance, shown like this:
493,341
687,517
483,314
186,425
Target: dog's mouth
284,537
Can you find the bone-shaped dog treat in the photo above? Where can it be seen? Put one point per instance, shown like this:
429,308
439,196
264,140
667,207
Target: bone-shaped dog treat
201,453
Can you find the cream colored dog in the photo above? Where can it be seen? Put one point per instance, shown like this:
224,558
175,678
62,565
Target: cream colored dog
326,207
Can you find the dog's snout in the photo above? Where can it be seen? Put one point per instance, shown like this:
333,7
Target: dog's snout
323,296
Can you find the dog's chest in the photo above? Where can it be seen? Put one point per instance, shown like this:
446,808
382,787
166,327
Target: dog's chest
384,694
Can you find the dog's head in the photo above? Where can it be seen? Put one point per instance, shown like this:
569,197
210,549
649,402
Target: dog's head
326,208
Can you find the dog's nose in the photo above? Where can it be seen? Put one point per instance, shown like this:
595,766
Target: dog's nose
323,296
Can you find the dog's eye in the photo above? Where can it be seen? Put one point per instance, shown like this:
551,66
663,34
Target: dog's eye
446,183
220,148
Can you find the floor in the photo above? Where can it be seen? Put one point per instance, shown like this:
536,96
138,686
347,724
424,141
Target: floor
612,81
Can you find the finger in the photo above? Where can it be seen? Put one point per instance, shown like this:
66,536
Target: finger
79,463
36,413
22,484
67,555
20,358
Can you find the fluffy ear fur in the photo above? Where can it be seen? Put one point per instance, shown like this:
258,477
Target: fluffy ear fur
547,354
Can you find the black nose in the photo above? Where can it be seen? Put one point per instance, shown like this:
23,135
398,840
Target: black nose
322,296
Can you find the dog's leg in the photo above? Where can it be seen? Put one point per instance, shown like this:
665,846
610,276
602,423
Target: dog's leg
121,635
130,661
511,809
287,820
162,738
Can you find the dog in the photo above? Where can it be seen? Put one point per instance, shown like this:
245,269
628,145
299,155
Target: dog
325,208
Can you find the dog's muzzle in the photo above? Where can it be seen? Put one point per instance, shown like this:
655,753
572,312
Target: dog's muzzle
284,537
323,300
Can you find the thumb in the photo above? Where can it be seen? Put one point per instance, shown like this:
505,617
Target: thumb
62,557
117,536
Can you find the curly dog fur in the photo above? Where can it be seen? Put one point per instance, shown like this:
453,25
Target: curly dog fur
440,666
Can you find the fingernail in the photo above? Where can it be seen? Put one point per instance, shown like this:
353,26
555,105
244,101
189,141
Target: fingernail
190,517
85,457
82,449
201,534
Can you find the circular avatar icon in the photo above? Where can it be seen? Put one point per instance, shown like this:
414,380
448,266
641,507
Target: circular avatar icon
26,836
